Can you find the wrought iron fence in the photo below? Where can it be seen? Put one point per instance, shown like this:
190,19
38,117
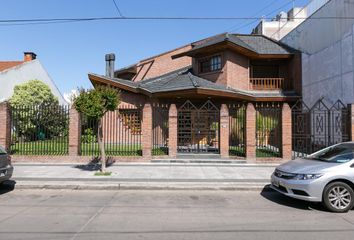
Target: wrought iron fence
237,129
319,126
121,133
40,130
268,129
159,129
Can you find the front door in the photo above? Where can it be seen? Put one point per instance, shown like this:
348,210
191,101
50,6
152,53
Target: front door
198,128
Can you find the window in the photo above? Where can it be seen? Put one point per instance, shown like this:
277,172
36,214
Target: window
210,64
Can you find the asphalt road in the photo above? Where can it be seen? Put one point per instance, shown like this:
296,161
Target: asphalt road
128,214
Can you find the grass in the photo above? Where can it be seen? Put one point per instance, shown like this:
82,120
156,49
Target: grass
159,151
42,147
92,149
103,173
260,152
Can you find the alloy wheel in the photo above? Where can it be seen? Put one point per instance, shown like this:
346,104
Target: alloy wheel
339,197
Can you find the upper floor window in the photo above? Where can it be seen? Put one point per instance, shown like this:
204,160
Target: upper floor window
210,64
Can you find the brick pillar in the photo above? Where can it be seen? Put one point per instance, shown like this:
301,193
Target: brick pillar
250,133
5,126
224,131
286,132
146,125
351,124
74,132
172,131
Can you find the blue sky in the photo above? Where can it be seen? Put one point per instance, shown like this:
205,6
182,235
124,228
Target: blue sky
70,51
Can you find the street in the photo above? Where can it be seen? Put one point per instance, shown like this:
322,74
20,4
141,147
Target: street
129,214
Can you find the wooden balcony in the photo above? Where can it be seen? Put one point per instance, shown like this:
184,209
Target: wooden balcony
269,84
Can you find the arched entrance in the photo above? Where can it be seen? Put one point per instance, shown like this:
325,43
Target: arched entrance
198,128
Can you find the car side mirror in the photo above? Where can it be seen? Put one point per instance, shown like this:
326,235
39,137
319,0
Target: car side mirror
352,166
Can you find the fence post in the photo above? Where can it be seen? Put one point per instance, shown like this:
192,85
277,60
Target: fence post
146,126
250,132
74,132
224,131
172,131
286,133
5,126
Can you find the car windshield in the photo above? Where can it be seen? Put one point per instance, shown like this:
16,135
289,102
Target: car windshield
340,153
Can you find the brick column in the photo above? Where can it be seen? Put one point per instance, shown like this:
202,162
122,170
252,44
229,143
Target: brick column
74,132
224,131
286,132
172,131
5,126
351,124
146,137
250,133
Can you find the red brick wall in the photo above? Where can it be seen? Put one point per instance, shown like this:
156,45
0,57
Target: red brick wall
162,64
5,126
237,71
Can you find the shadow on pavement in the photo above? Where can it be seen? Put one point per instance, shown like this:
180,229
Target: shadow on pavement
7,186
95,164
278,198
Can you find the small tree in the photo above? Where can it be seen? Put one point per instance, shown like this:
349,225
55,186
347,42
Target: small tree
94,103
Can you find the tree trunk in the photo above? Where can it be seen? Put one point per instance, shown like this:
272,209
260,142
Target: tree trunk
101,146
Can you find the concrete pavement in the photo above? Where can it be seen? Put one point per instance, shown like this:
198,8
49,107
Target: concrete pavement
148,175
197,215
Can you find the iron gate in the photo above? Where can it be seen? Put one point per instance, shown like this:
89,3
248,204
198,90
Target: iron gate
319,126
198,128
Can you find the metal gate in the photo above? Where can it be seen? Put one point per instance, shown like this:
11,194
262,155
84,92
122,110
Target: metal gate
319,126
198,128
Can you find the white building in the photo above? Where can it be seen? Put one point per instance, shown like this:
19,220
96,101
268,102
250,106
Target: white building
13,73
326,40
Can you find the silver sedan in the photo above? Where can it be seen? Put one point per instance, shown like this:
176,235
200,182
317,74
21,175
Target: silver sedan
6,169
325,176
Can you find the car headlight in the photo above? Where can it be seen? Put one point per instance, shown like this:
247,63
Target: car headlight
307,176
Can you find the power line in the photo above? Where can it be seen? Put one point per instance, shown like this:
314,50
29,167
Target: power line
68,20
117,8
258,12
266,15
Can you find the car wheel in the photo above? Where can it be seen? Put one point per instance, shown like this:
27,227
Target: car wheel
338,197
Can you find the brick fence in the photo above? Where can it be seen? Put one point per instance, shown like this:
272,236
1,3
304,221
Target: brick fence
146,137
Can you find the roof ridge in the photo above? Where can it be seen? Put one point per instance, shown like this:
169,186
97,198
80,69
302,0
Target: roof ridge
191,77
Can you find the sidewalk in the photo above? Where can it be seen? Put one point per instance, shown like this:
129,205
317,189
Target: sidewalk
144,176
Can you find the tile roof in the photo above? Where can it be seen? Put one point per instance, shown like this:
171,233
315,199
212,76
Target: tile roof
8,64
184,79
258,44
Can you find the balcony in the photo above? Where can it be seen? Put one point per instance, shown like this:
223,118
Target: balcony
269,84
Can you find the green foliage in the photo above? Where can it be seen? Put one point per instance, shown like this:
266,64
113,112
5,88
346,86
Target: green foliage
96,102
36,112
89,136
266,123
33,92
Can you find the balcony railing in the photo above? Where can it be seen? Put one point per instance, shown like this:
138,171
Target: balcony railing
269,84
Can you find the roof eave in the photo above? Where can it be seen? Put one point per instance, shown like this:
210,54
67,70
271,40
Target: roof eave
100,79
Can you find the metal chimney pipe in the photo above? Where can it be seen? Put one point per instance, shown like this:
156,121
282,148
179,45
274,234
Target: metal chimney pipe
110,58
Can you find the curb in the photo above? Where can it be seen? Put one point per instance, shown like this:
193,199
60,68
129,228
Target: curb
232,186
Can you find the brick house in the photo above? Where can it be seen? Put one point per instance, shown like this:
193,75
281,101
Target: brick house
202,82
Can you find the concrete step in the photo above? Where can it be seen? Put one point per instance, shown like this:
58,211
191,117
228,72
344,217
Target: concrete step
200,161
198,156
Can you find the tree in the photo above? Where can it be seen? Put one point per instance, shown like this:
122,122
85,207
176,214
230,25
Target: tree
36,111
33,92
94,103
